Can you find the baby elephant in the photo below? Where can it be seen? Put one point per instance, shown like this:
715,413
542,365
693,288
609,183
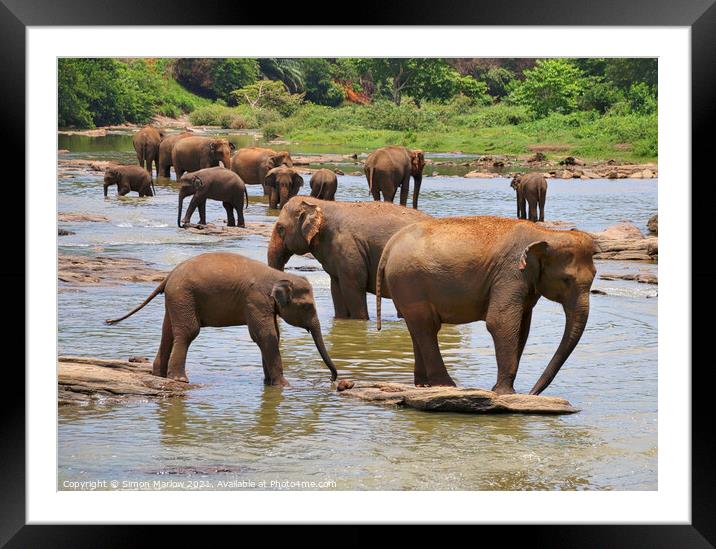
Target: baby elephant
225,289
284,183
218,184
530,188
324,184
127,179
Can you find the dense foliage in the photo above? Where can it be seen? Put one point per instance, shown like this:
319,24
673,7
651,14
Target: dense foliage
487,103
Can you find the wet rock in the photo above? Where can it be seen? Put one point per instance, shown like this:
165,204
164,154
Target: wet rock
98,270
82,217
64,232
653,224
81,380
455,399
224,231
141,359
643,277
480,175
537,157
597,292
344,384
625,241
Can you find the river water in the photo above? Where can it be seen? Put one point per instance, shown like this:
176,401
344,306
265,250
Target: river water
279,438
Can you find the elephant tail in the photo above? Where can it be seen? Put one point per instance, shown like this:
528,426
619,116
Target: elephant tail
370,181
159,289
246,192
378,300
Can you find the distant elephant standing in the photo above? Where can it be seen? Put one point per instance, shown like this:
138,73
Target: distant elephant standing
346,238
253,163
195,153
224,289
530,188
284,183
217,184
324,184
127,179
465,269
390,167
146,144
165,152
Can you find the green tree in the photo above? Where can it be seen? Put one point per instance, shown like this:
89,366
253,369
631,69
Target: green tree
268,94
319,84
553,85
230,74
72,95
286,70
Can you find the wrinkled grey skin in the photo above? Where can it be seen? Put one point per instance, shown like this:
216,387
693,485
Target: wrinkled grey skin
195,153
530,188
224,289
284,183
390,168
346,238
466,269
253,163
216,184
324,183
128,179
146,144
165,152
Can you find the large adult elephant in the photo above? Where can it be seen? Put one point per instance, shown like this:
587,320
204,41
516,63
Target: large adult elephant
464,269
530,188
346,238
216,184
146,144
195,153
285,183
165,151
253,163
390,168
225,289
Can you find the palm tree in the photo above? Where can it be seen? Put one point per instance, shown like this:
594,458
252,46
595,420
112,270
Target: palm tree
286,70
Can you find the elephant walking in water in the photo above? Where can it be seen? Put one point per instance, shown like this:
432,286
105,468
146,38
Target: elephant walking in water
464,269
166,147
390,168
216,184
128,179
324,184
346,238
284,183
225,289
146,144
195,153
530,188
252,164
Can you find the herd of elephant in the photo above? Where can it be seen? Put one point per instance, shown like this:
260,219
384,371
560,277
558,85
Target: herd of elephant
437,271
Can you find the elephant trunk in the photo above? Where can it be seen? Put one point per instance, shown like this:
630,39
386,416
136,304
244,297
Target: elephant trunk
418,180
315,330
278,255
577,313
283,197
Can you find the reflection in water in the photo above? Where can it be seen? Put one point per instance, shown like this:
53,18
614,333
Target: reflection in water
232,422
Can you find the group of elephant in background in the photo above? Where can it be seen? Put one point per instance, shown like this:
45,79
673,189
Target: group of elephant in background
447,270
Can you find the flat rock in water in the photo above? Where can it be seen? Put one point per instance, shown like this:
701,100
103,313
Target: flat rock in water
81,380
454,399
224,231
100,270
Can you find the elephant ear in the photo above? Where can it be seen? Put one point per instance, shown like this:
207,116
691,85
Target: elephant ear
535,250
232,146
297,181
417,161
281,292
311,218
270,178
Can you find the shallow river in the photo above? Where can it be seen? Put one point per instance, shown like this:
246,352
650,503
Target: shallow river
307,433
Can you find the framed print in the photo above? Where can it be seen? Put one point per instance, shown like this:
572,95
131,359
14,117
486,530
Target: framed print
398,274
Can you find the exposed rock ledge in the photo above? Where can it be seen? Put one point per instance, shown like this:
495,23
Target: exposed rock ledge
453,399
84,269
81,380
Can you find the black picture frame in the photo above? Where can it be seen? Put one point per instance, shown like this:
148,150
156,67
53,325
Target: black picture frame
699,15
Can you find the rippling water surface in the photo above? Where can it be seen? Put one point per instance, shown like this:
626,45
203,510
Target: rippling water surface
307,432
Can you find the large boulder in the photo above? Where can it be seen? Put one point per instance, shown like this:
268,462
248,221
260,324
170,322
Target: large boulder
653,224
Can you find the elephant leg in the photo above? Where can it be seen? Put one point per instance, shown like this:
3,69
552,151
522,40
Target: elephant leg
182,339
389,194
230,221
240,215
263,332
542,200
375,191
353,290
189,211
420,374
424,328
533,210
202,212
339,305
404,189
161,361
501,322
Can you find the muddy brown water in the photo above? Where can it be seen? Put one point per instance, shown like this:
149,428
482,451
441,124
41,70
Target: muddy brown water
234,433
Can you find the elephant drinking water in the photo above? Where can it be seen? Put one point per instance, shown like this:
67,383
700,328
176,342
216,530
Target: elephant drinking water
225,289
